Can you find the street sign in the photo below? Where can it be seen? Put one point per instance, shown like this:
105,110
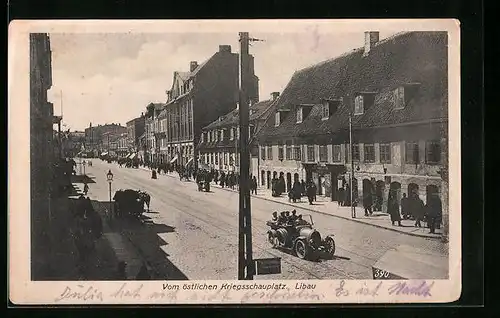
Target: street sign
267,266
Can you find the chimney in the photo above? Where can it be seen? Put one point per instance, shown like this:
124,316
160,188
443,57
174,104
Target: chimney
225,48
371,38
193,65
275,95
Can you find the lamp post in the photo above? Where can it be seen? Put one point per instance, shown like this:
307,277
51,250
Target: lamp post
353,207
109,177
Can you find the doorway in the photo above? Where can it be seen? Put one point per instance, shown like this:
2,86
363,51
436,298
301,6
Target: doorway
268,179
262,177
379,195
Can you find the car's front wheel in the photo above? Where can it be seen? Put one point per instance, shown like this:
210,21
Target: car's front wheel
301,249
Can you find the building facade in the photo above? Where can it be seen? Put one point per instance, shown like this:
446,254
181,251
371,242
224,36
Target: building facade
151,151
135,128
42,154
96,136
397,106
218,147
196,99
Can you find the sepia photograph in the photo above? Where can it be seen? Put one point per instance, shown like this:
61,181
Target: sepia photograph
201,154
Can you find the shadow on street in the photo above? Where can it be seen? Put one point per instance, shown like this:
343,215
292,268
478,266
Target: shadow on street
143,234
82,179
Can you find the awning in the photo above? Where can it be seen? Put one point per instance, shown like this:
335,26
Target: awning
173,160
132,156
104,153
189,161
127,156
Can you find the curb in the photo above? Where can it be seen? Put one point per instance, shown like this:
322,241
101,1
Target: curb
324,213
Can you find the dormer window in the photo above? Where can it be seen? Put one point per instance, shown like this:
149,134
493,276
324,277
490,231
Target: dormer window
222,135
231,133
299,115
359,105
277,119
325,111
399,98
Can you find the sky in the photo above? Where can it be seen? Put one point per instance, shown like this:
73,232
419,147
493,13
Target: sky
111,77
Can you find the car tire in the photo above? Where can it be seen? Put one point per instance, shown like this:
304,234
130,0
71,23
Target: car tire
331,245
301,249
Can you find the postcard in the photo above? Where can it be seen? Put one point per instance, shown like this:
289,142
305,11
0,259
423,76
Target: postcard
234,161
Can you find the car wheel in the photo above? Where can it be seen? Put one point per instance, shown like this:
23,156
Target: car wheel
270,237
330,246
301,249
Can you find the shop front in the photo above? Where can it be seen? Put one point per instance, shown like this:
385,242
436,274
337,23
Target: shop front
325,177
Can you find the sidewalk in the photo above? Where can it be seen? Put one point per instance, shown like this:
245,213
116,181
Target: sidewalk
64,256
325,206
117,246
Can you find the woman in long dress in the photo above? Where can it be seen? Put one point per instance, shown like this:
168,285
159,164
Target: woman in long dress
393,208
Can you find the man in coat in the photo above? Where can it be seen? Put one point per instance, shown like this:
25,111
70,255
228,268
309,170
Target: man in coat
434,210
367,202
393,208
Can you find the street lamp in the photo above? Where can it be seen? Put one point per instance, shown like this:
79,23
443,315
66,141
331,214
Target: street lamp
84,163
109,177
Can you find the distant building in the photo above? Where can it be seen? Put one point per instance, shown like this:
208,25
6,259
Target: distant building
135,128
196,99
151,128
396,90
94,136
219,143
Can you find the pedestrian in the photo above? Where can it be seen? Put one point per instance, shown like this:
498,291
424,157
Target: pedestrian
85,188
393,208
121,273
434,211
254,185
311,192
405,209
341,198
303,187
143,273
367,202
417,209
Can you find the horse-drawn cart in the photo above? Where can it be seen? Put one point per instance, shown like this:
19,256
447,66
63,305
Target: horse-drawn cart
130,202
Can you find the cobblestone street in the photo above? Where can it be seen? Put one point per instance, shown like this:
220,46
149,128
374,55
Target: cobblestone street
185,232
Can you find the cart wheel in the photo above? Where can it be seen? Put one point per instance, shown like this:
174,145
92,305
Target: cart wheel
301,249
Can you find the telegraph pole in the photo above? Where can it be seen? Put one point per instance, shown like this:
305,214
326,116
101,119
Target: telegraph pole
246,266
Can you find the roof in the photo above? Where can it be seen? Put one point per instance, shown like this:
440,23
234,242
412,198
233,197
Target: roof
232,118
411,57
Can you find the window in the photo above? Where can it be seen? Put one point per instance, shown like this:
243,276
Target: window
369,153
310,153
412,155
297,155
432,152
385,153
224,157
263,153
399,97
355,152
222,135
231,133
202,137
325,111
299,115
269,150
277,119
288,154
216,158
280,152
323,154
358,105
337,153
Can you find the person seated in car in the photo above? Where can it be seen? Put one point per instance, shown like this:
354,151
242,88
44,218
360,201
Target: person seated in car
282,218
293,217
300,220
288,218
275,217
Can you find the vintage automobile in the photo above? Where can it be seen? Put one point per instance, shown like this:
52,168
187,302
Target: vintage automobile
129,203
301,238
